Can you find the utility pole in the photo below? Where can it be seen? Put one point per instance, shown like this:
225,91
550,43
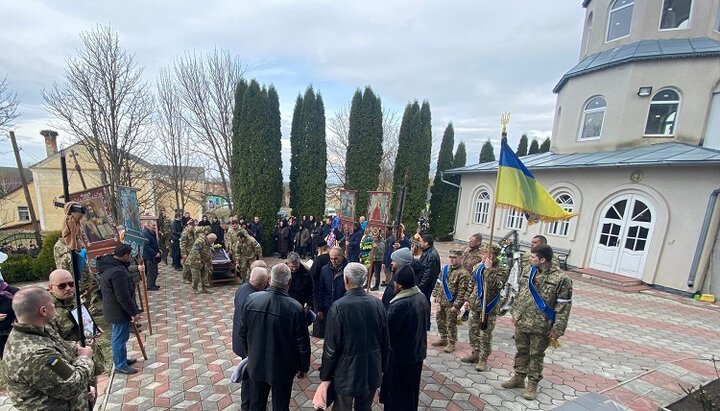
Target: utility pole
26,189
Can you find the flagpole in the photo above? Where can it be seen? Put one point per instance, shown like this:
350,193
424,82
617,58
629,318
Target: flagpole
504,120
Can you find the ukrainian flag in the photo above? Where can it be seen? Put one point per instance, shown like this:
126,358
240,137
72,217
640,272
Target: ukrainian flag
517,188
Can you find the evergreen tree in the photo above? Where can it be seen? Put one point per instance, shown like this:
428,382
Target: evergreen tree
240,89
364,151
522,146
534,147
408,137
487,153
459,160
275,161
545,146
295,145
310,195
443,196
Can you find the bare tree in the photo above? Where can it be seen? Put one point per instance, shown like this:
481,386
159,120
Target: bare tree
206,86
339,126
8,105
105,105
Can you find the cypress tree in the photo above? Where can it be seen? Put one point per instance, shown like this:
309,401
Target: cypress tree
487,153
310,195
545,146
534,147
442,196
459,160
522,146
404,160
276,163
296,142
364,151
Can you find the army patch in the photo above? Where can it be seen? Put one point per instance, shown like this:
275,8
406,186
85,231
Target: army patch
197,247
60,367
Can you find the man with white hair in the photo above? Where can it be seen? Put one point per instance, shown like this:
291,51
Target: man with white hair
356,349
274,334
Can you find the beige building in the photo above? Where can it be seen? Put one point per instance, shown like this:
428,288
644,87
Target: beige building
46,187
634,148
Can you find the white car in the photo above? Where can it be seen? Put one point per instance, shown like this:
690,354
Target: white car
330,212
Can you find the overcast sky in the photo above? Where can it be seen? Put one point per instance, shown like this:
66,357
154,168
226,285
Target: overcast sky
471,59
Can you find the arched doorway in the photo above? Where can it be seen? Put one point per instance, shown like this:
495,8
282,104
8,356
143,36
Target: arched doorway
623,235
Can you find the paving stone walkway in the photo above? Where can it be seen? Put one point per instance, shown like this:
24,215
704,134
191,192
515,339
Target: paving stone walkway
638,349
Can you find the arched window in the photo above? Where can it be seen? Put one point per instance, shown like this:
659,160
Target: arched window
662,116
675,14
514,219
593,116
620,19
482,207
561,228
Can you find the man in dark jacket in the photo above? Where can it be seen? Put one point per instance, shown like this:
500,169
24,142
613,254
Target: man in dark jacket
332,285
259,279
353,245
409,312
430,260
151,251
274,334
301,285
119,308
322,259
355,353
176,228
256,228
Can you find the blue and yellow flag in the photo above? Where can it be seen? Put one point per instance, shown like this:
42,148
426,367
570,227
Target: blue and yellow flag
517,188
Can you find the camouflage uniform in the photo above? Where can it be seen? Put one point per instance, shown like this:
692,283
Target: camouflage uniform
64,324
200,262
187,238
472,257
230,240
481,340
89,285
532,326
42,372
246,251
457,281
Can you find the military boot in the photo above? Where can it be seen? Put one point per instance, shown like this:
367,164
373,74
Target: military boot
205,291
439,343
481,364
531,390
470,358
450,347
517,381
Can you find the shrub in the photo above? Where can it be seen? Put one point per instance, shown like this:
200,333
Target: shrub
24,268
45,261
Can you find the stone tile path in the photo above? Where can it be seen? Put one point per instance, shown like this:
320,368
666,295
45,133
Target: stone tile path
635,348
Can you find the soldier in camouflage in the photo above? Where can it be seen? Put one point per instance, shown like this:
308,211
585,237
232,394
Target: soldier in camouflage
494,276
231,237
187,238
456,279
474,253
62,289
538,240
247,250
200,261
89,285
42,371
534,327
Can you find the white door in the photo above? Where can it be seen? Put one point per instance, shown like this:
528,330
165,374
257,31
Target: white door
623,236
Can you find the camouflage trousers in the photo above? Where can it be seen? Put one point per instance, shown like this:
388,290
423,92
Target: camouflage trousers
481,340
243,269
199,278
447,323
530,354
90,292
186,272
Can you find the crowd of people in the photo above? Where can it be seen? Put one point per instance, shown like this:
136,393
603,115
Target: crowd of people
370,343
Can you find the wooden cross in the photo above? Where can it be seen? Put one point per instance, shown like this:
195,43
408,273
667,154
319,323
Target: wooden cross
74,155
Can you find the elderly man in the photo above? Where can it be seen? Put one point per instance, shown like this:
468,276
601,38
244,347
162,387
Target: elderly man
200,261
407,316
402,257
274,334
332,286
356,349
41,371
259,279
62,289
119,308
301,285
151,253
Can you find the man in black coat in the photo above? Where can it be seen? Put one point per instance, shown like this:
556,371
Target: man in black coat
119,308
259,279
176,228
430,260
355,353
256,228
274,334
322,259
331,286
409,312
301,285
151,251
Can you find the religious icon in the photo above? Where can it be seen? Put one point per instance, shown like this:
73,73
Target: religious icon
347,205
378,207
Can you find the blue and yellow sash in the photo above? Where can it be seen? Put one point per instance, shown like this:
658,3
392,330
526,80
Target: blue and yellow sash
446,289
479,280
549,313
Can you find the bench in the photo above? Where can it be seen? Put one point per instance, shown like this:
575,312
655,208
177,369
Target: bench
561,253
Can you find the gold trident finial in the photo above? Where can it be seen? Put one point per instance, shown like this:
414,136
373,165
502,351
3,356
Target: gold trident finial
505,120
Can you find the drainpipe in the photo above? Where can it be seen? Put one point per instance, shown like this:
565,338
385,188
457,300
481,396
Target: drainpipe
457,205
703,235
